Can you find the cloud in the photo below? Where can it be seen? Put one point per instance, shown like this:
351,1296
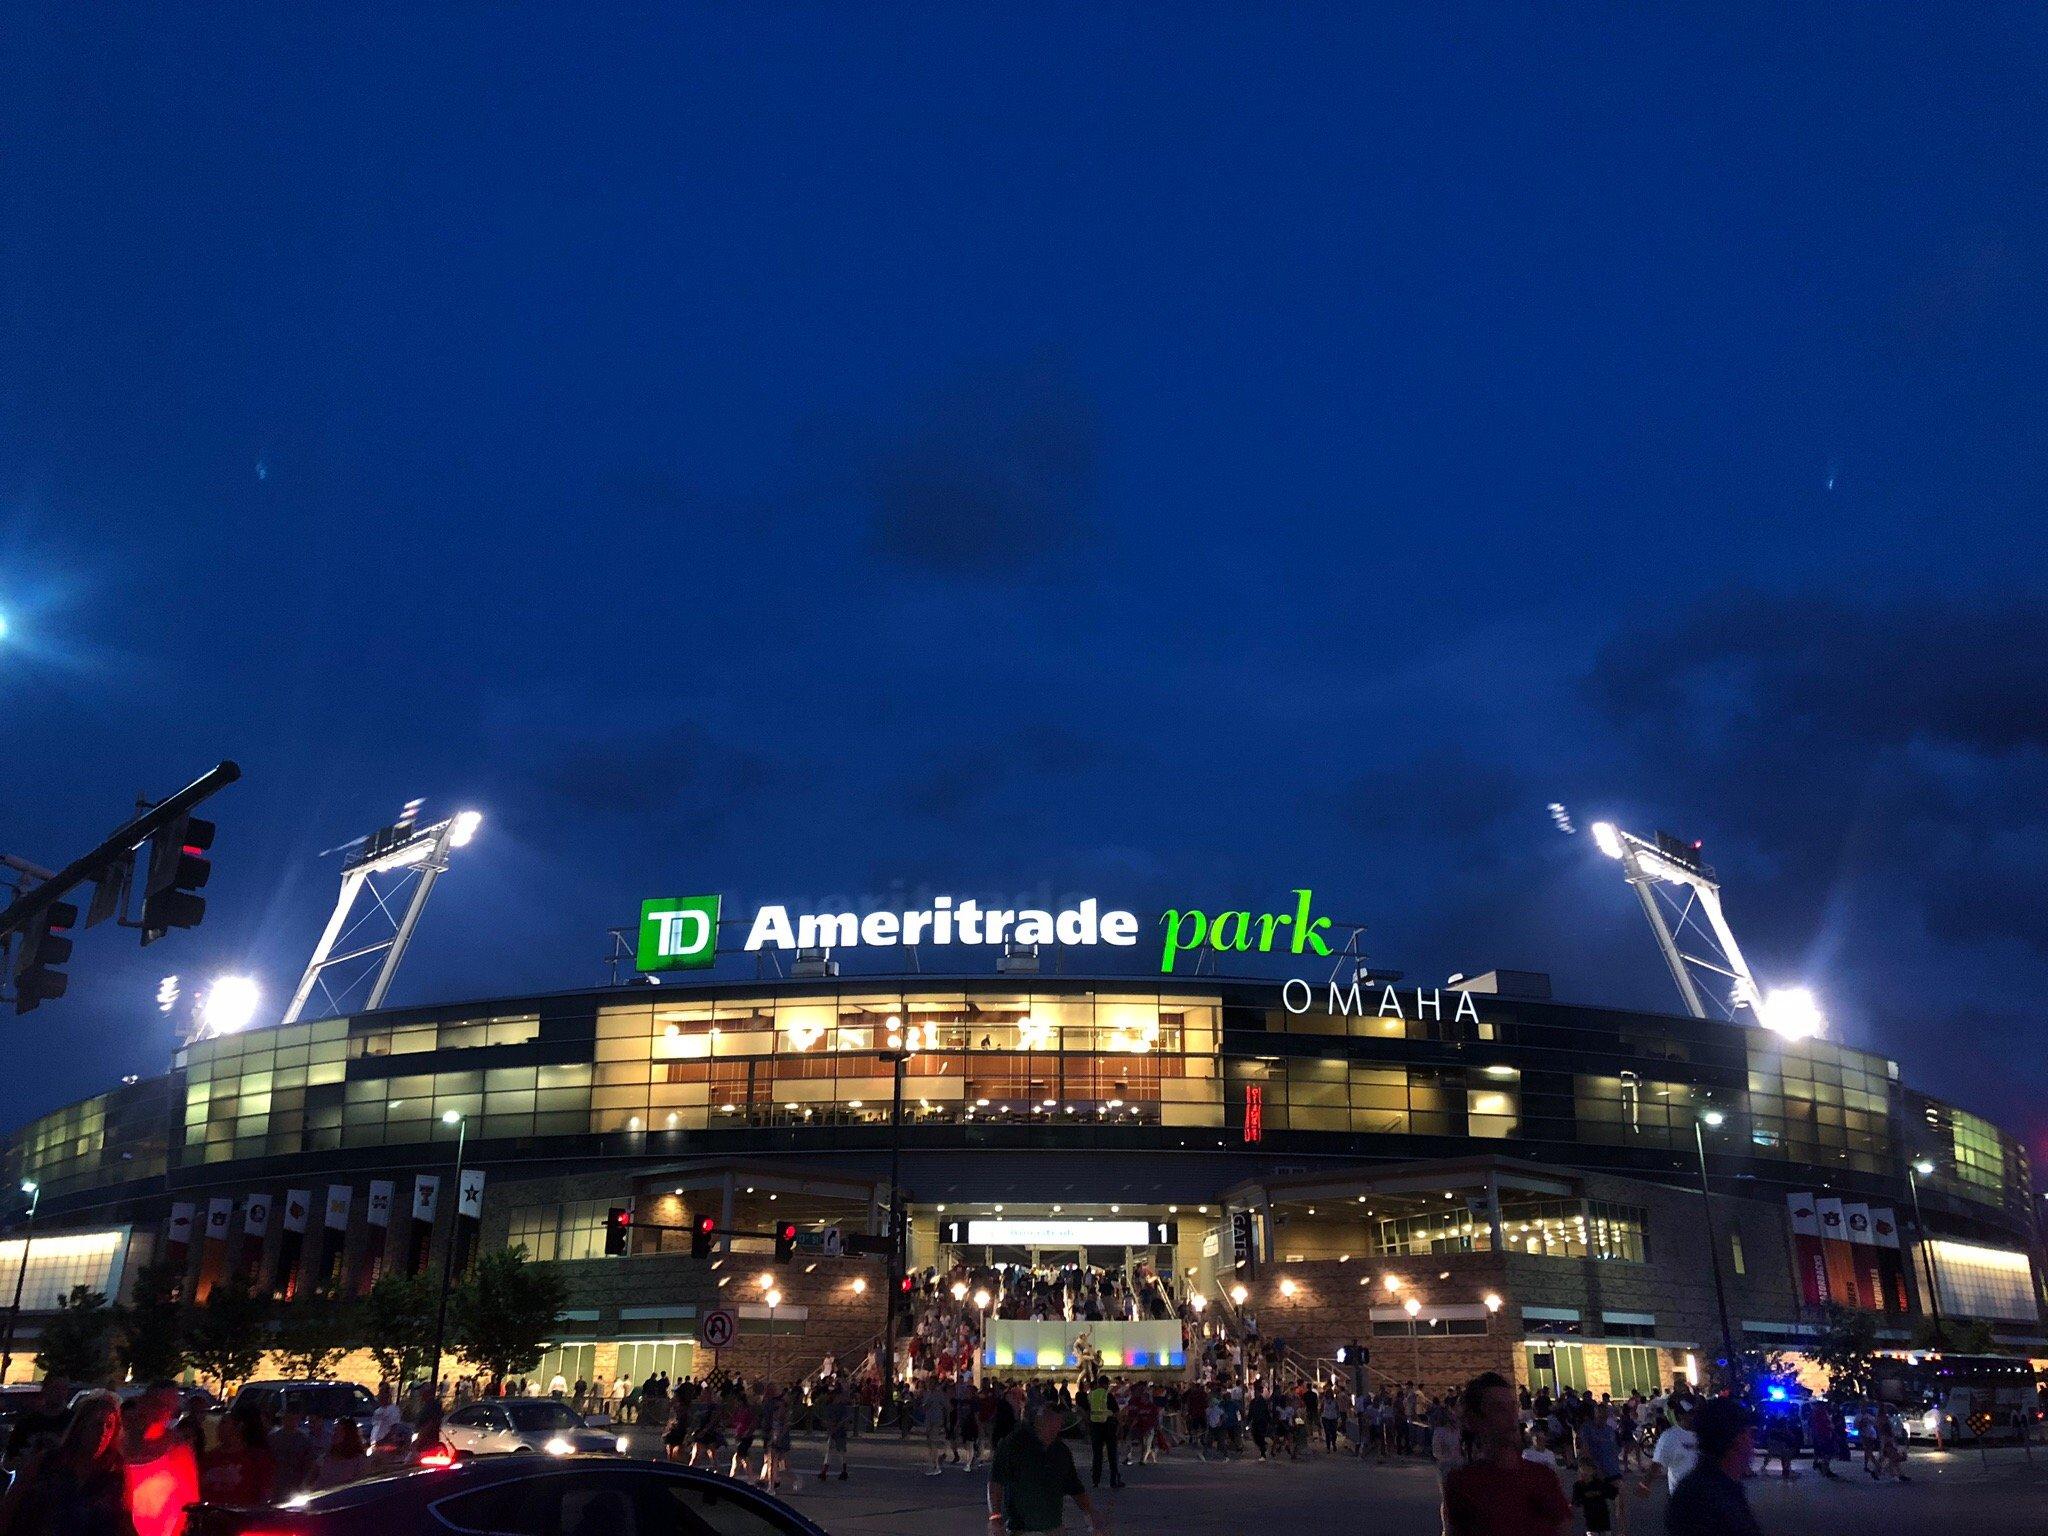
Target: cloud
975,775
672,774
993,476
1899,749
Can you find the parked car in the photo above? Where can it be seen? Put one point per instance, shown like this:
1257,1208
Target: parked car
524,1424
315,1399
524,1493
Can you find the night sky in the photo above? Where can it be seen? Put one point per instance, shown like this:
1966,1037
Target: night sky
1170,454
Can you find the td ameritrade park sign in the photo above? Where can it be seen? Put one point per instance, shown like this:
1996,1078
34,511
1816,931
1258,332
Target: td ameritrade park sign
682,933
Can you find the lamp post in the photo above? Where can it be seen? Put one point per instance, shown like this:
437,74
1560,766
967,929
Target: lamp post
1714,1118
1413,1306
900,1045
454,1118
1916,1170
774,1300
34,1192
981,1301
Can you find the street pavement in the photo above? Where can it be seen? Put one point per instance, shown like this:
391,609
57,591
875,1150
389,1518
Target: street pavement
889,1492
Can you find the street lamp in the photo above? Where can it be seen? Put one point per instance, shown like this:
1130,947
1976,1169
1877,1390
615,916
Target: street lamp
1237,1295
1917,1170
981,1301
899,1045
1412,1306
34,1192
1713,1118
454,1118
774,1300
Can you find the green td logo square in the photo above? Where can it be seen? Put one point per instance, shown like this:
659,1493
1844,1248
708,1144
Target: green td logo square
679,933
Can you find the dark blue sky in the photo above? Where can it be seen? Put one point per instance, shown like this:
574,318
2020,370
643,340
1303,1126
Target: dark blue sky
1171,455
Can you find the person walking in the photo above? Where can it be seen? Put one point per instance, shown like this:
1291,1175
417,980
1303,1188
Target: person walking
1677,1451
1708,1500
838,1421
1258,1418
1032,1476
933,1407
1498,1493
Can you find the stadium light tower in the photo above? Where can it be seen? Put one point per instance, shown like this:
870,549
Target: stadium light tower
404,854
1661,868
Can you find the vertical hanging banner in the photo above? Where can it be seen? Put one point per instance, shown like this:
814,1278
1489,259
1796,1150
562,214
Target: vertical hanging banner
1254,1113
469,1216
255,1230
215,1262
1863,1251
1807,1252
341,1199
426,1200
1891,1259
178,1236
291,1243
1834,1242
377,1239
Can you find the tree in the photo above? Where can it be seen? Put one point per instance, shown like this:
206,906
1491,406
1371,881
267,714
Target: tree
78,1343
313,1336
506,1313
1847,1350
226,1338
152,1341
1967,1336
397,1322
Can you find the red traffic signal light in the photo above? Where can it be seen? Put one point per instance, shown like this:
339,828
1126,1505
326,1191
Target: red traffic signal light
904,1285
178,869
618,1228
785,1241
700,1236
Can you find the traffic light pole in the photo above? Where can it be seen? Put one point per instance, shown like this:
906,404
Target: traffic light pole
116,849
897,1266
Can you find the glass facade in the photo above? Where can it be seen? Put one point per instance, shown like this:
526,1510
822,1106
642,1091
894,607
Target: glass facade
1008,1062
1632,1368
699,1062
1820,1104
569,1230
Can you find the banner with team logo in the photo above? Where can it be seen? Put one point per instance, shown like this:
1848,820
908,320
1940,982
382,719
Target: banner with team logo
426,1201
469,1211
1807,1252
1834,1241
1891,1258
291,1242
179,1234
255,1228
1863,1250
219,1213
333,1242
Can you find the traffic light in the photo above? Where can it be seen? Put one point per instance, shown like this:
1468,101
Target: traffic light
618,1228
904,1285
45,945
700,1236
178,867
785,1241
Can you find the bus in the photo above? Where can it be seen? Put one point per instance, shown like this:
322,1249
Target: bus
1959,1397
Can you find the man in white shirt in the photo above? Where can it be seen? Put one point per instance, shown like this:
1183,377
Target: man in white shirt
1677,1452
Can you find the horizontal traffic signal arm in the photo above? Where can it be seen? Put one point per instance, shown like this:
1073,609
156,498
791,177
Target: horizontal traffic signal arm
121,845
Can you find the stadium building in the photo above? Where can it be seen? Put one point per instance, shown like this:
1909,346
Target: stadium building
1459,1176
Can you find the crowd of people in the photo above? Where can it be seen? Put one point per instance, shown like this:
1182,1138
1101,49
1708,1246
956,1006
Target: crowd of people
1509,1460
95,1464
